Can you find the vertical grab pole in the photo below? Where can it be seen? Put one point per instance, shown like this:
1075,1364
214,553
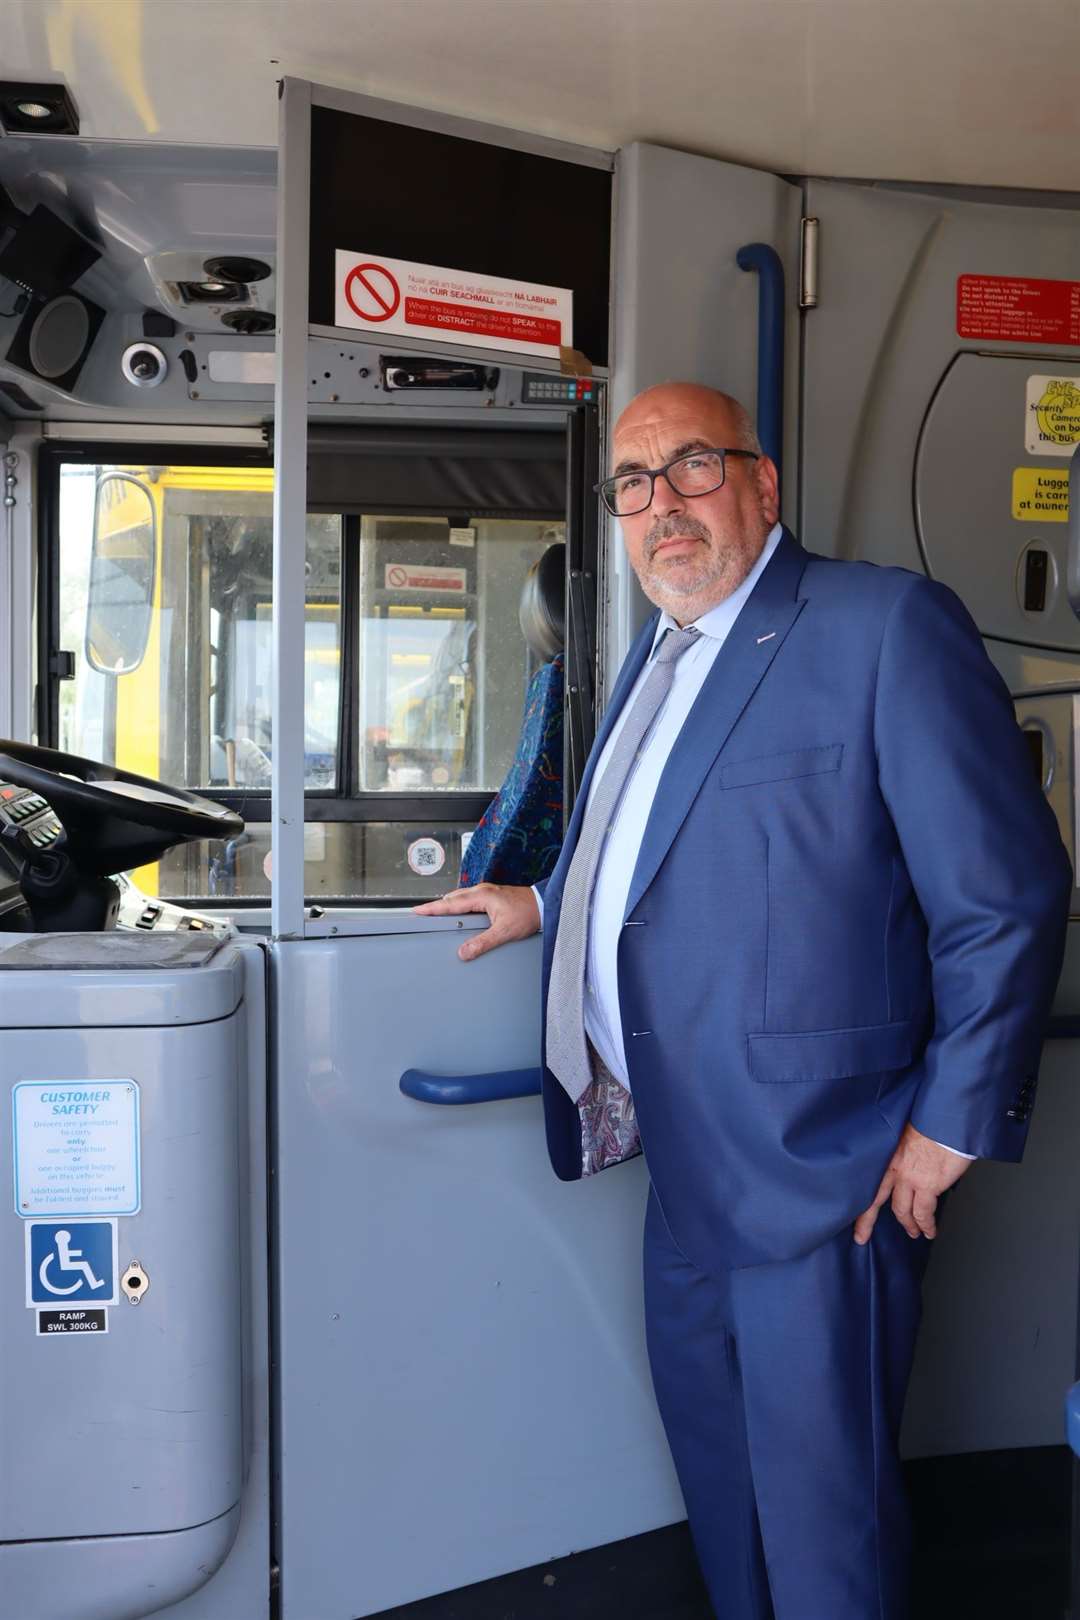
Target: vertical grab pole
766,261
290,511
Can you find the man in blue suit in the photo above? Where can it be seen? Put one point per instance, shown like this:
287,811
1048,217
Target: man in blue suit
800,945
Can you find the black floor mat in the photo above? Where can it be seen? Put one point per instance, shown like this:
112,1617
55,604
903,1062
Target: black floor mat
991,1543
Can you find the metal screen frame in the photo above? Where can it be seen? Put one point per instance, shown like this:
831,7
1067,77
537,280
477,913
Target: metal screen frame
294,328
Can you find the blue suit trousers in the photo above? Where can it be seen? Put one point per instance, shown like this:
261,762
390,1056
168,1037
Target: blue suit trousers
781,1388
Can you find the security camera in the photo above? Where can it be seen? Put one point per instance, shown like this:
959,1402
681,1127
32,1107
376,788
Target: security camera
144,365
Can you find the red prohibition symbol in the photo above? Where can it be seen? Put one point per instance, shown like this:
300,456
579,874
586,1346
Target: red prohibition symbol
371,292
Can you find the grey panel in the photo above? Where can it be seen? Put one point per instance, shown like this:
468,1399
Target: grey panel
146,1418
463,1383
971,450
882,337
116,1577
997,1349
683,310
240,1590
94,992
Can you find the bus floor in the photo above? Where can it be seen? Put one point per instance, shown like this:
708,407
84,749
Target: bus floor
991,1540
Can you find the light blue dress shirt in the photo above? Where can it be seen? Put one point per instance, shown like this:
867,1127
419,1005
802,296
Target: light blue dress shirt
603,1020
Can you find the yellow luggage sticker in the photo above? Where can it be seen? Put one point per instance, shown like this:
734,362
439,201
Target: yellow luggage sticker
1052,426
1040,495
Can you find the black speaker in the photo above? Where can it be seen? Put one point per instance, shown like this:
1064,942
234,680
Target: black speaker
53,339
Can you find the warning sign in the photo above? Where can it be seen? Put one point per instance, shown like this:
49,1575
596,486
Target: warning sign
1040,495
76,1147
422,300
403,577
372,293
1018,309
1052,423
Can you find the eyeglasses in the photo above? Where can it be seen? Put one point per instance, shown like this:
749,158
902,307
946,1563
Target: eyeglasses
698,473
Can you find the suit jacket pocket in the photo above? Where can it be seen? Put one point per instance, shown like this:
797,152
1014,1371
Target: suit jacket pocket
831,1054
779,767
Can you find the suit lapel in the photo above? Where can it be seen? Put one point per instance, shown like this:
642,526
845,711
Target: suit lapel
741,664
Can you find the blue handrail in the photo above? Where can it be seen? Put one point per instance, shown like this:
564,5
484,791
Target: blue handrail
766,261
470,1088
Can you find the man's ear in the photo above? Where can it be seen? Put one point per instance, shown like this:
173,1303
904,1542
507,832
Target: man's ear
767,482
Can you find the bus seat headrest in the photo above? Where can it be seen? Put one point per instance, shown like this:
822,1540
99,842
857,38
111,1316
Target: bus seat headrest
543,613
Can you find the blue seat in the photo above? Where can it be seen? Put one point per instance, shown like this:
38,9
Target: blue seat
520,833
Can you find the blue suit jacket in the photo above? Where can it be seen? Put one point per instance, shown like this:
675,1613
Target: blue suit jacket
848,911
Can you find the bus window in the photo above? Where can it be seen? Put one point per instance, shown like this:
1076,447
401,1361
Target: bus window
415,670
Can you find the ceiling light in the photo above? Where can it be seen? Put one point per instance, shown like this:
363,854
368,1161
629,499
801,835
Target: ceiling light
211,292
37,109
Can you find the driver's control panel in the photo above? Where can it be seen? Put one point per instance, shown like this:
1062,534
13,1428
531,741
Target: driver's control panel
26,820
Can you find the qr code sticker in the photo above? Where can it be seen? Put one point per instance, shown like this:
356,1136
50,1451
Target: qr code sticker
426,856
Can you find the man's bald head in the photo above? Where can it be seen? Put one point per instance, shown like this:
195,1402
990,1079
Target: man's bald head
665,400
690,552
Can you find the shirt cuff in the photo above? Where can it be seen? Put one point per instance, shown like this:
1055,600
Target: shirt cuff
948,1149
539,902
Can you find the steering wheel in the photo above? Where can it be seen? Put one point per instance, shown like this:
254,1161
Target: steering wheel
112,819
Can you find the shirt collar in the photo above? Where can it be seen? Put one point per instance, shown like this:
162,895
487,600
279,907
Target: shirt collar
718,621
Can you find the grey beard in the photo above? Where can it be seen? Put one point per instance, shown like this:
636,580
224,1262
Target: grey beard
688,580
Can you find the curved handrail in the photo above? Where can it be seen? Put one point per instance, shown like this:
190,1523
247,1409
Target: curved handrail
766,261
455,1089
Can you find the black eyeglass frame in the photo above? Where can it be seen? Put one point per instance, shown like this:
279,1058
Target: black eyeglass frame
606,494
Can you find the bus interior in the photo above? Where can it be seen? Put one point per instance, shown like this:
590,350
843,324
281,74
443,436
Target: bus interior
268,659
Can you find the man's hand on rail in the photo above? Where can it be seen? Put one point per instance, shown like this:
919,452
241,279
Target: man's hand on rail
512,912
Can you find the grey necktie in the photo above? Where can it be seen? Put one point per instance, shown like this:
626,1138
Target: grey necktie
567,1055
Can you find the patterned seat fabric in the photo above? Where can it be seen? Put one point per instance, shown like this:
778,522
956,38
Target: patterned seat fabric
519,837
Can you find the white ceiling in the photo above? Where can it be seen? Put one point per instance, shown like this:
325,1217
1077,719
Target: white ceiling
975,91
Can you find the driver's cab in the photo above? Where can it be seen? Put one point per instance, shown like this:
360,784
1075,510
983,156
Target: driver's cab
284,441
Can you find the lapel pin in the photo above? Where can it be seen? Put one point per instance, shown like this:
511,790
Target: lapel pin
769,637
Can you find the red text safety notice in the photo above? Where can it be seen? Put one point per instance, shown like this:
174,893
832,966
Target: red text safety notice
399,577
398,296
491,323
1018,309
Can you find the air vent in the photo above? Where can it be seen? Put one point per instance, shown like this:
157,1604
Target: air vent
249,322
235,267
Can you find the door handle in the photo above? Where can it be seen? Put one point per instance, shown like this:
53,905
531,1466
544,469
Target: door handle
766,261
470,1088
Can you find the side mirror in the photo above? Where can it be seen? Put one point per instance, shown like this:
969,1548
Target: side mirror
123,561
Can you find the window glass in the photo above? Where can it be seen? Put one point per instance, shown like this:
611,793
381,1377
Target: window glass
443,662
437,671
194,708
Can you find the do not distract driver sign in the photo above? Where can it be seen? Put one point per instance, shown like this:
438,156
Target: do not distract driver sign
76,1147
385,295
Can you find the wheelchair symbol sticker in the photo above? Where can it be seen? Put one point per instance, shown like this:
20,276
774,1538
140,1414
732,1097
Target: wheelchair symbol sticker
70,1262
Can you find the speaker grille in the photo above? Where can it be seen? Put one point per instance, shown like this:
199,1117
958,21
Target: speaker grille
58,336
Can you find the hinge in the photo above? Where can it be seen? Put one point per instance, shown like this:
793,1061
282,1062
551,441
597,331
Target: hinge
62,666
808,263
